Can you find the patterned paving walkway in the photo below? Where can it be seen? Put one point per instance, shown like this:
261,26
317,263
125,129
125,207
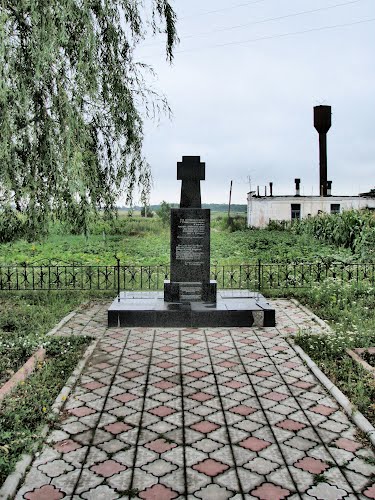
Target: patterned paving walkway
218,414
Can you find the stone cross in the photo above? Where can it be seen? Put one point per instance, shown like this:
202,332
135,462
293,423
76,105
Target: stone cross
190,171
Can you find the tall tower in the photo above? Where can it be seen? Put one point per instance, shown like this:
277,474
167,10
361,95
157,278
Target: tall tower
322,123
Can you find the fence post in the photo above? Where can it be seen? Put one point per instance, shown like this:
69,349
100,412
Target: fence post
259,275
118,278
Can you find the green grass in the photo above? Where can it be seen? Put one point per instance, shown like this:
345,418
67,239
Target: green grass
24,321
139,241
24,413
349,309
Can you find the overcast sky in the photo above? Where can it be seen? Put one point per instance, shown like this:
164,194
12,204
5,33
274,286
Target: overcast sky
242,88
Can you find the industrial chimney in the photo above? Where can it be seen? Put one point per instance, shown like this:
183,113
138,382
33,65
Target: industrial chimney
271,188
298,182
322,123
329,188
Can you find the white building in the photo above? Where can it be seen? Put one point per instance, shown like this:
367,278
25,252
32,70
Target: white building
262,209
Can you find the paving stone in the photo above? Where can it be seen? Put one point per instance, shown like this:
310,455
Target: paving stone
102,492
55,468
115,441
66,482
325,491
214,492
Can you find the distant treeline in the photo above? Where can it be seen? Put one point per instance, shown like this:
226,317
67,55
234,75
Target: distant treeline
216,207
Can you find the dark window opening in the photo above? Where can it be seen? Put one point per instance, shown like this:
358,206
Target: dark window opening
335,208
295,211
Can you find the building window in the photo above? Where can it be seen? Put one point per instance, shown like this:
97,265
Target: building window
335,208
295,211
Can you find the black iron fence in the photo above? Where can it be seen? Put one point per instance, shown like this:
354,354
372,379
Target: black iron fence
255,276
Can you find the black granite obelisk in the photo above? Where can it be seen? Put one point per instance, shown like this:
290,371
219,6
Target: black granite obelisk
190,240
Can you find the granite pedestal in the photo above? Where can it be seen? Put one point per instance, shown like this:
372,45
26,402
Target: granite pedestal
232,308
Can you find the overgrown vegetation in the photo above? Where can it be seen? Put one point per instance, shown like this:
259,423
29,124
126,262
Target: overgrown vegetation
349,308
24,413
353,229
25,318
142,241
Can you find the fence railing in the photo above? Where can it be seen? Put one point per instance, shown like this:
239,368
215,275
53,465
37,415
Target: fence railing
255,276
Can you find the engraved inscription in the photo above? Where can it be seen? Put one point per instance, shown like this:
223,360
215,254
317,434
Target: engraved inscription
190,245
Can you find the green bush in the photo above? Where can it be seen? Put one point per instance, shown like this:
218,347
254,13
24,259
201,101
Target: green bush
352,229
11,225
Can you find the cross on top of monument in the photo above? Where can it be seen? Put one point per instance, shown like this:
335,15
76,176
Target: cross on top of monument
190,171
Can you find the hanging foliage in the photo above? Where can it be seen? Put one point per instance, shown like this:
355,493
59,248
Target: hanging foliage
72,98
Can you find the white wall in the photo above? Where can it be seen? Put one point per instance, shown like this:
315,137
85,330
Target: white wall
261,210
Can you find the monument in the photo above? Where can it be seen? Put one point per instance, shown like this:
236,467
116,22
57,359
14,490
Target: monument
190,240
190,298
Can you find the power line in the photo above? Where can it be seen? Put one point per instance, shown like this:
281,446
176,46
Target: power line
281,35
223,9
269,19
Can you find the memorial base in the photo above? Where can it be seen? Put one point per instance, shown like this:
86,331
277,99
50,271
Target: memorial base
233,308
190,292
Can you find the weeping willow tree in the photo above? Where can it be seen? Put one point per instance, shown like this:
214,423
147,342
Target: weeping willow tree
72,102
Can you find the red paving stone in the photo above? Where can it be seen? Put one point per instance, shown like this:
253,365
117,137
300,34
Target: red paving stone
195,355
222,348
264,373
275,396
312,465
211,467
102,366
302,385
254,444
269,491
165,364
162,411
193,341
197,374
167,348
234,384
46,492
108,468
205,426
164,384
290,425
160,445
66,446
137,356
81,411
347,444
92,385
254,355
126,397
243,410
201,396
370,492
158,492
227,364
289,364
117,427
323,410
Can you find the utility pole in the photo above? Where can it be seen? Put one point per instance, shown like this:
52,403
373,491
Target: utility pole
230,198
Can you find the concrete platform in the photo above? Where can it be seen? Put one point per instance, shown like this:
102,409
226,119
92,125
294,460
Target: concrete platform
233,308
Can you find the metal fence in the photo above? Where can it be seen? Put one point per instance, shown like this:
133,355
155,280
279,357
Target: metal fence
255,276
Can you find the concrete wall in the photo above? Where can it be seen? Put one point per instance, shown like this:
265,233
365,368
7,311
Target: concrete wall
261,210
